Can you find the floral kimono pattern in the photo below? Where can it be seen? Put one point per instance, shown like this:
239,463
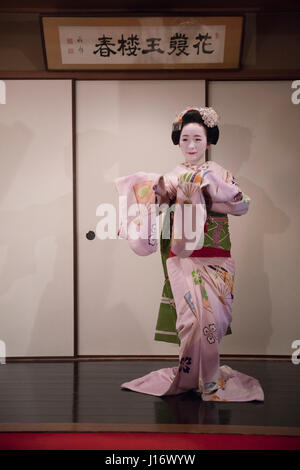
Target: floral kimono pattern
216,236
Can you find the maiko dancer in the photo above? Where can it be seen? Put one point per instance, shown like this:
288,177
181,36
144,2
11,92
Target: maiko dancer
196,308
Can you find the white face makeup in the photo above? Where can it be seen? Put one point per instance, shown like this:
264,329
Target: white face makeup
193,143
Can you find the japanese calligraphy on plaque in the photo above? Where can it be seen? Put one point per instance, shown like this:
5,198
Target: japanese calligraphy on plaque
110,43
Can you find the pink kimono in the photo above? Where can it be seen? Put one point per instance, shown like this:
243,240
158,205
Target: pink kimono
202,285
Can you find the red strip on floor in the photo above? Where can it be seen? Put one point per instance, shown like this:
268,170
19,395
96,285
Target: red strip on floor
143,441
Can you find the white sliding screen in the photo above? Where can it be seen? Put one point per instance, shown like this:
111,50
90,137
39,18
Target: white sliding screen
259,143
122,127
36,218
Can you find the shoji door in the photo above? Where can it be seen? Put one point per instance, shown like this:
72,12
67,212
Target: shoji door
36,218
259,143
122,127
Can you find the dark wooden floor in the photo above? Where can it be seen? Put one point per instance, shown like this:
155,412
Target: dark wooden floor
89,392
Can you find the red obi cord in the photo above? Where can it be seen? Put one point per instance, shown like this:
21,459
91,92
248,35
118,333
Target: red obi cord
207,252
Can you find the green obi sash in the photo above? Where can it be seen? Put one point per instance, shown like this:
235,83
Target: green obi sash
217,236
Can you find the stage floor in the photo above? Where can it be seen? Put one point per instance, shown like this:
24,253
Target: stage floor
86,396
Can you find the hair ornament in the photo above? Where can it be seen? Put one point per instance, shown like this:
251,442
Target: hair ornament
208,115
177,126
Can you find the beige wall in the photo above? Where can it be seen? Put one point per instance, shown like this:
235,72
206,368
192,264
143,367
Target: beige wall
36,218
122,127
259,143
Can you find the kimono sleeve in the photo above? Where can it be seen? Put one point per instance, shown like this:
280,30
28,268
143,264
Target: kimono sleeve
138,211
224,191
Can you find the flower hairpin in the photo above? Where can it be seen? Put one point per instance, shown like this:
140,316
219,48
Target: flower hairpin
209,116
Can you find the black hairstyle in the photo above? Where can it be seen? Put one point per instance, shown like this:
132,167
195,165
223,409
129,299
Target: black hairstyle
212,133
